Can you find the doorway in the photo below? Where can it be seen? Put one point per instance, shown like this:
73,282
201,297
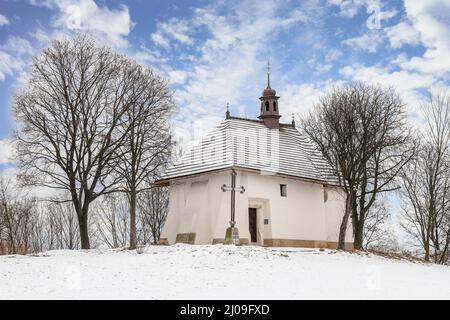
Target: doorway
252,224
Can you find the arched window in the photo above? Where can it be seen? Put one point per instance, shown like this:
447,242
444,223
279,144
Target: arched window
275,106
267,105
262,104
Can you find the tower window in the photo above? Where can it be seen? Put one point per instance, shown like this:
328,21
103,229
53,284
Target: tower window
283,190
275,106
267,105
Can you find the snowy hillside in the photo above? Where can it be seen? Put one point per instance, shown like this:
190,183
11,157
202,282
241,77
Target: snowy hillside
218,272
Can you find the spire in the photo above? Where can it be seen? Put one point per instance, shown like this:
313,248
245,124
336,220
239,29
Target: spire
268,74
227,114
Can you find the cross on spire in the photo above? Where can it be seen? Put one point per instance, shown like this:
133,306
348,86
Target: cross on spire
268,74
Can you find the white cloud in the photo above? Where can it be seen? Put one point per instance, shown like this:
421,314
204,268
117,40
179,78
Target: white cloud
299,98
323,67
17,45
159,39
368,41
403,79
6,151
333,55
405,82
231,61
385,15
112,25
7,65
177,76
402,33
3,20
14,53
347,8
173,30
350,8
430,19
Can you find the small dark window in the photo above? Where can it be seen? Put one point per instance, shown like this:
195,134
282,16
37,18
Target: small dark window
266,221
275,106
267,105
283,190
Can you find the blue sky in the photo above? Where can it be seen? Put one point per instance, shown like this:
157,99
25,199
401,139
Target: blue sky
214,52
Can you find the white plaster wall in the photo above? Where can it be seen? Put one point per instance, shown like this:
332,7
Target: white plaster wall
303,214
334,209
172,222
198,205
297,216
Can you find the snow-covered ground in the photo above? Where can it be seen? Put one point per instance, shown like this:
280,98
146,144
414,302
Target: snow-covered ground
218,272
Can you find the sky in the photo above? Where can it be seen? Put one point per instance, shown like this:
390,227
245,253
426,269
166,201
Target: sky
214,52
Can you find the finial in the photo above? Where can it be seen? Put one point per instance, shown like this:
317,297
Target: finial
293,120
268,74
227,115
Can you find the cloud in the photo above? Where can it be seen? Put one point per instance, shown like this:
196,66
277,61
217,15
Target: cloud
3,20
369,41
112,25
347,8
408,84
430,20
17,45
229,62
159,39
6,151
403,79
323,67
401,34
333,55
350,8
14,54
299,98
177,76
174,30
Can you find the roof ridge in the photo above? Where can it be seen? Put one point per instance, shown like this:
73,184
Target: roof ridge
256,120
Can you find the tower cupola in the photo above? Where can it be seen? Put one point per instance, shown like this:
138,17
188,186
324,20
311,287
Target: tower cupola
269,105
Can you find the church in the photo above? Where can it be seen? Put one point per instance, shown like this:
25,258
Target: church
255,182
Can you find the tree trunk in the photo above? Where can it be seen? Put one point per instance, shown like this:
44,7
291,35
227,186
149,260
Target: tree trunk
132,197
359,235
344,223
84,230
427,252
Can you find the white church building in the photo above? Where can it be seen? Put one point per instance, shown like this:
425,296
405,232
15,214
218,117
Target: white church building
283,193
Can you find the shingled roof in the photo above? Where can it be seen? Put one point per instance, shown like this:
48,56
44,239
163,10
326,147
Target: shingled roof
249,144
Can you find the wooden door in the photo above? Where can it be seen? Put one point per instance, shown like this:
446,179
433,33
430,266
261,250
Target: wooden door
252,224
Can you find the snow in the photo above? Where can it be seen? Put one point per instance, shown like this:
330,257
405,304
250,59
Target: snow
218,272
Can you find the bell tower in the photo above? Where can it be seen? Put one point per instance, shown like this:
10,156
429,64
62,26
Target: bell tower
269,105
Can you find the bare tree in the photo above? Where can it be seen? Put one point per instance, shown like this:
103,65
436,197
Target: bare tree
378,229
61,225
148,143
362,132
112,221
426,182
154,205
73,118
18,220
